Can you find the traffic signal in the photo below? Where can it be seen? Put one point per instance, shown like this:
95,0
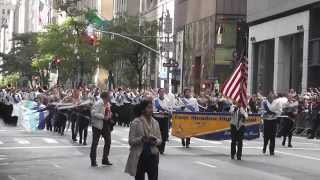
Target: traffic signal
56,61
92,39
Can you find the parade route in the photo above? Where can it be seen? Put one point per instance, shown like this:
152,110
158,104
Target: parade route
46,155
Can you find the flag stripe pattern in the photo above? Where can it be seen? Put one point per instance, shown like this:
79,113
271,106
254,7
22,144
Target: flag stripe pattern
235,87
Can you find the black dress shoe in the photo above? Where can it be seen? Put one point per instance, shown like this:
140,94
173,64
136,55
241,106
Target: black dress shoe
84,143
272,154
232,157
239,158
264,151
290,146
108,163
94,164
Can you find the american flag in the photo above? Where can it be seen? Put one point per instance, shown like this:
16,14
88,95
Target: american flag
235,87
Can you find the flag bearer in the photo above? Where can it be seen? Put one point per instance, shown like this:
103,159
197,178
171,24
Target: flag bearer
238,117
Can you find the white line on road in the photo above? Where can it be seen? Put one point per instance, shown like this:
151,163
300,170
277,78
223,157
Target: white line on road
124,139
1,159
205,164
50,141
1,155
21,141
3,130
4,164
299,156
11,177
207,141
53,147
1,142
57,166
116,142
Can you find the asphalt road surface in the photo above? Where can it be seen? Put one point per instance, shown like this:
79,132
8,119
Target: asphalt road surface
47,156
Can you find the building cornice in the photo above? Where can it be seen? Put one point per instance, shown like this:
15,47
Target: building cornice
284,14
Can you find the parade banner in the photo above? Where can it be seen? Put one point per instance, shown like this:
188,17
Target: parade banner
29,115
211,126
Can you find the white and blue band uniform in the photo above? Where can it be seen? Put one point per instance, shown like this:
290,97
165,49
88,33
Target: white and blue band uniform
162,113
237,126
269,125
188,104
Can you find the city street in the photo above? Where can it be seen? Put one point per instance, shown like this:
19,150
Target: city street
45,155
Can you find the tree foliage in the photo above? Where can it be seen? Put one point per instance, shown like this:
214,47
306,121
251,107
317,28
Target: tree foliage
62,41
19,59
116,49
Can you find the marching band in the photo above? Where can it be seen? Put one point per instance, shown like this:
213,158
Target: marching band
81,107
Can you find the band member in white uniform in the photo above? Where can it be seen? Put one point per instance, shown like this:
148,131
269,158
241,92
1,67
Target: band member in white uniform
162,111
189,104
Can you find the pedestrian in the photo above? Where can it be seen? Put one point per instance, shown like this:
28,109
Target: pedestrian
101,126
315,116
238,117
161,109
269,125
144,137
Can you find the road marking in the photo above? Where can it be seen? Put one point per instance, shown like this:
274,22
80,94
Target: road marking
1,159
21,141
124,139
1,155
4,164
57,166
205,164
116,142
207,141
11,177
56,147
3,130
1,142
50,141
299,156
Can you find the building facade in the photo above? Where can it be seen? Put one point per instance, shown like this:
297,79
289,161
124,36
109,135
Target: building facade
284,45
126,8
7,24
161,11
206,40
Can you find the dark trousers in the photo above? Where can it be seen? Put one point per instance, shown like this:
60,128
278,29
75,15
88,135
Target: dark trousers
83,129
185,141
315,125
287,130
74,126
147,165
236,141
269,134
164,129
106,134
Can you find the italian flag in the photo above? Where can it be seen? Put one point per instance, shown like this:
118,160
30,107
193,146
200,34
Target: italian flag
94,18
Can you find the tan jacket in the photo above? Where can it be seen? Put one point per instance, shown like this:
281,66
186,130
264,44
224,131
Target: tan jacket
97,114
136,146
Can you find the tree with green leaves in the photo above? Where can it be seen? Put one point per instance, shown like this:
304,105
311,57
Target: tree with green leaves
19,59
134,56
68,43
